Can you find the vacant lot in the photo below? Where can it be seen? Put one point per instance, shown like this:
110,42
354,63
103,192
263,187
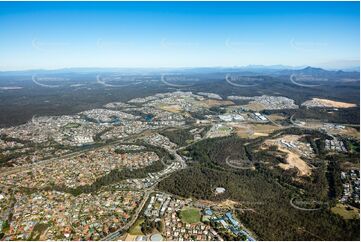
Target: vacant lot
276,117
328,103
252,131
294,160
346,212
136,228
254,106
293,157
171,108
217,103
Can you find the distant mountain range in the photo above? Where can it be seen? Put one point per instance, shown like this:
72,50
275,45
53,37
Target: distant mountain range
251,69
319,72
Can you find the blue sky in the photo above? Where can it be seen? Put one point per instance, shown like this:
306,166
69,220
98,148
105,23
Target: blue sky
177,34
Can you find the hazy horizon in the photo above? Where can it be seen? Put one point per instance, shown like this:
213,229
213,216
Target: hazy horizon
246,67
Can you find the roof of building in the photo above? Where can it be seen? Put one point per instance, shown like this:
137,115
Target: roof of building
208,211
156,237
220,190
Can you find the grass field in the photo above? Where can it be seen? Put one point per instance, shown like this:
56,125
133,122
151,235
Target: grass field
171,108
252,131
136,228
190,215
72,125
346,212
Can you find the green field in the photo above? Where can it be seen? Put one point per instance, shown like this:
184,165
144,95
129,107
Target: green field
224,129
71,125
136,228
345,211
190,215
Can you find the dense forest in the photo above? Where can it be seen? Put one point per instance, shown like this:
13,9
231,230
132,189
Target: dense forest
178,136
266,191
341,115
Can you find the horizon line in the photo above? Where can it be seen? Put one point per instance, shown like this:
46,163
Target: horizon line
255,66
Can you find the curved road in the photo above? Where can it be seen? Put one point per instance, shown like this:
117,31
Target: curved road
302,209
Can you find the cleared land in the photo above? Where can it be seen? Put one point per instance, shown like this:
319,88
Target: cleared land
276,117
347,212
254,130
171,108
319,102
293,157
294,160
348,131
216,103
254,106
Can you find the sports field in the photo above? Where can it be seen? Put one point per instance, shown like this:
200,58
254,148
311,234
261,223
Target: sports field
190,215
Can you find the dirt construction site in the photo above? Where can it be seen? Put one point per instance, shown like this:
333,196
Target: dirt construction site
295,150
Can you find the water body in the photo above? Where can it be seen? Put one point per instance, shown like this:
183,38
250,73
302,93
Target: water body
149,117
115,120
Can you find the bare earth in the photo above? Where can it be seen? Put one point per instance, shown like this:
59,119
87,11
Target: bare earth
215,103
254,130
276,117
328,103
293,158
171,108
254,106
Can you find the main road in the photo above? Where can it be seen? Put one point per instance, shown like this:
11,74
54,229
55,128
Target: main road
148,191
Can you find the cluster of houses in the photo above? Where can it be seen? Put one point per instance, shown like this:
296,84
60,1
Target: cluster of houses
52,215
351,187
211,225
335,145
160,140
89,167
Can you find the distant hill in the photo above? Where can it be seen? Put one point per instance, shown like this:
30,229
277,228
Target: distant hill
319,72
247,70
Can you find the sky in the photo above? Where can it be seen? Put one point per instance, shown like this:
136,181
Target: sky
52,35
